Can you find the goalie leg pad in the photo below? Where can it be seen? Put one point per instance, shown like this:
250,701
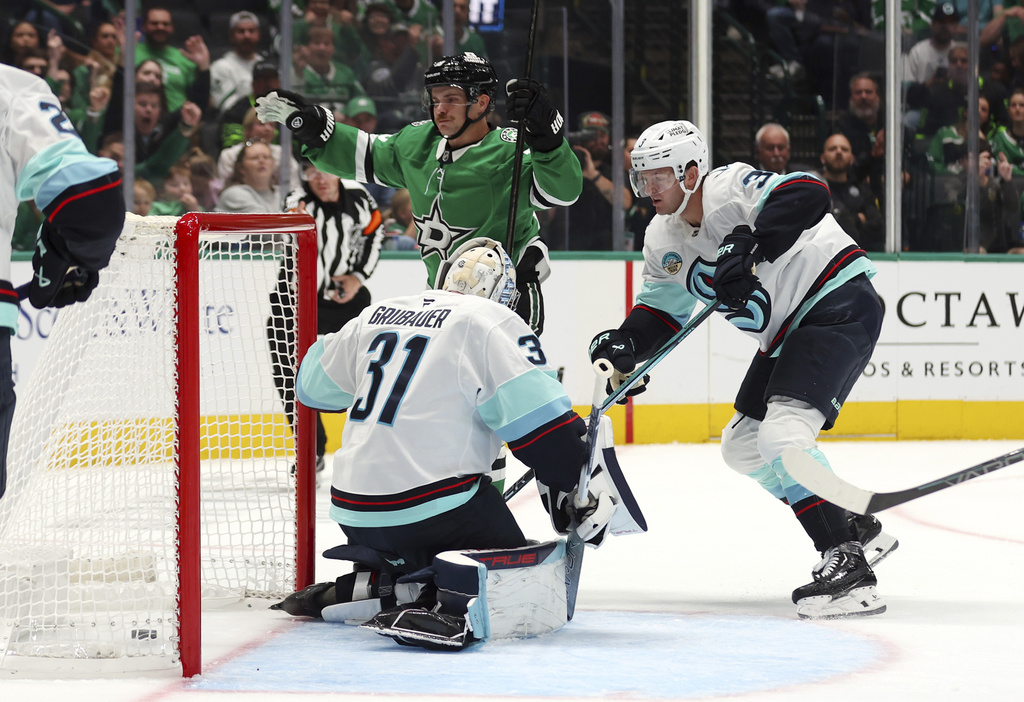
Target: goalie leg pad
519,592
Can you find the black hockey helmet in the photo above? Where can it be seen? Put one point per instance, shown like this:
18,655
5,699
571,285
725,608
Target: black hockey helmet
468,71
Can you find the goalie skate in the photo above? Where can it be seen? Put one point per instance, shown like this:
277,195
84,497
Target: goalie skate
877,544
843,586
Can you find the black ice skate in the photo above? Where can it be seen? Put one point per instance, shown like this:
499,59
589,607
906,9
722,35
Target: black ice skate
843,586
877,544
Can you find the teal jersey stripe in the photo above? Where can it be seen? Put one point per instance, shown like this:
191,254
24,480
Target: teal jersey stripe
58,167
400,517
9,316
666,297
524,403
315,388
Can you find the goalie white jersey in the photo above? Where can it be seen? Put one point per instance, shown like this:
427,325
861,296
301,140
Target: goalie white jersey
433,384
820,257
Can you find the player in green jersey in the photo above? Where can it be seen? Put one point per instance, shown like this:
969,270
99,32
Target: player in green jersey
456,167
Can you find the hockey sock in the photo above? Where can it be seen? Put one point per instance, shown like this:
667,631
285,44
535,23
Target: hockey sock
824,522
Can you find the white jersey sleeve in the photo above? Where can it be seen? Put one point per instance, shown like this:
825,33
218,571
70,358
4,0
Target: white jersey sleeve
433,384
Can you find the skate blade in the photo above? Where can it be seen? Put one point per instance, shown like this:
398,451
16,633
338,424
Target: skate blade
878,549
859,602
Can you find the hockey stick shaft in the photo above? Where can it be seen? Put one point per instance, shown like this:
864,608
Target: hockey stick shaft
517,164
575,546
626,386
824,483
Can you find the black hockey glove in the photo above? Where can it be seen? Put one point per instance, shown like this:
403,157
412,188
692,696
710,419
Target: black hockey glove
617,348
56,280
312,125
529,105
735,280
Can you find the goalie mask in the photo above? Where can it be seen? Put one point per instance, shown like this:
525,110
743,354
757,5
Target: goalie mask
481,267
673,144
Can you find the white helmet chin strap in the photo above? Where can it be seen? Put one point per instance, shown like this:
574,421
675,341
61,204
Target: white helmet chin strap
686,197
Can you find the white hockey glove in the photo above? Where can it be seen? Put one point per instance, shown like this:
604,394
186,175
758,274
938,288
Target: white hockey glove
312,125
618,378
592,518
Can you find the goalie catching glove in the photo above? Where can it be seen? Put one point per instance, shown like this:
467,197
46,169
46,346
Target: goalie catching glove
528,104
312,125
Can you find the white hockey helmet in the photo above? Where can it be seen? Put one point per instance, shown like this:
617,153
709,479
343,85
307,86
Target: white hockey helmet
481,267
674,144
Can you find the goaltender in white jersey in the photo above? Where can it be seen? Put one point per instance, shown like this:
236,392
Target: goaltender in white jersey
433,384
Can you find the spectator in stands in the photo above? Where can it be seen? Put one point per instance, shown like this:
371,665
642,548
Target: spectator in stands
341,20
376,22
254,130
252,186
350,240
176,197
102,62
1008,140
231,74
265,77
399,229
590,217
184,69
853,203
36,61
772,147
143,195
928,55
88,121
159,143
467,39
948,99
640,214
112,147
23,36
203,170
423,20
395,74
863,125
998,208
319,76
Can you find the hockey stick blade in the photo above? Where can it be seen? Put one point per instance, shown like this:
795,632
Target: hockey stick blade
816,478
574,549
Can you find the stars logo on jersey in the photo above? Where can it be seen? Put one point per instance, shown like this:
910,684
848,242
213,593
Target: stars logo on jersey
436,235
671,262
509,134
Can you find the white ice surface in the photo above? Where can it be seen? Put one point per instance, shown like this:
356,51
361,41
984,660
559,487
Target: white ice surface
710,585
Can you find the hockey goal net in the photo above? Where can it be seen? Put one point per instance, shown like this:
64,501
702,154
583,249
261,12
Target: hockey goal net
152,462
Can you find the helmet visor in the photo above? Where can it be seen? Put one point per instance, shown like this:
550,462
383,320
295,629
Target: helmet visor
651,182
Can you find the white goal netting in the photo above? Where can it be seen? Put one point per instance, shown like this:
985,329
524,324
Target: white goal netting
90,553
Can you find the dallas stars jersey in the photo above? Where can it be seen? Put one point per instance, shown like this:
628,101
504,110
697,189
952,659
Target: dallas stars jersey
809,254
459,194
433,384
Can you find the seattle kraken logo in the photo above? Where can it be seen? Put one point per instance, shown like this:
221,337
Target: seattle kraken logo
753,318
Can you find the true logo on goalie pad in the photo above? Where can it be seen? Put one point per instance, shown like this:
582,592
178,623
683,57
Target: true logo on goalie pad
513,558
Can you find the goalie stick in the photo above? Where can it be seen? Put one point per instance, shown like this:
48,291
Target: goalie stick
627,384
574,544
826,484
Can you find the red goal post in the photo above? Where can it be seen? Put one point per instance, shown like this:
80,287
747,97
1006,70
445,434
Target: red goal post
152,464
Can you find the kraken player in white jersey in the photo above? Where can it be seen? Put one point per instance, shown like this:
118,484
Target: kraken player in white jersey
43,159
783,270
433,384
